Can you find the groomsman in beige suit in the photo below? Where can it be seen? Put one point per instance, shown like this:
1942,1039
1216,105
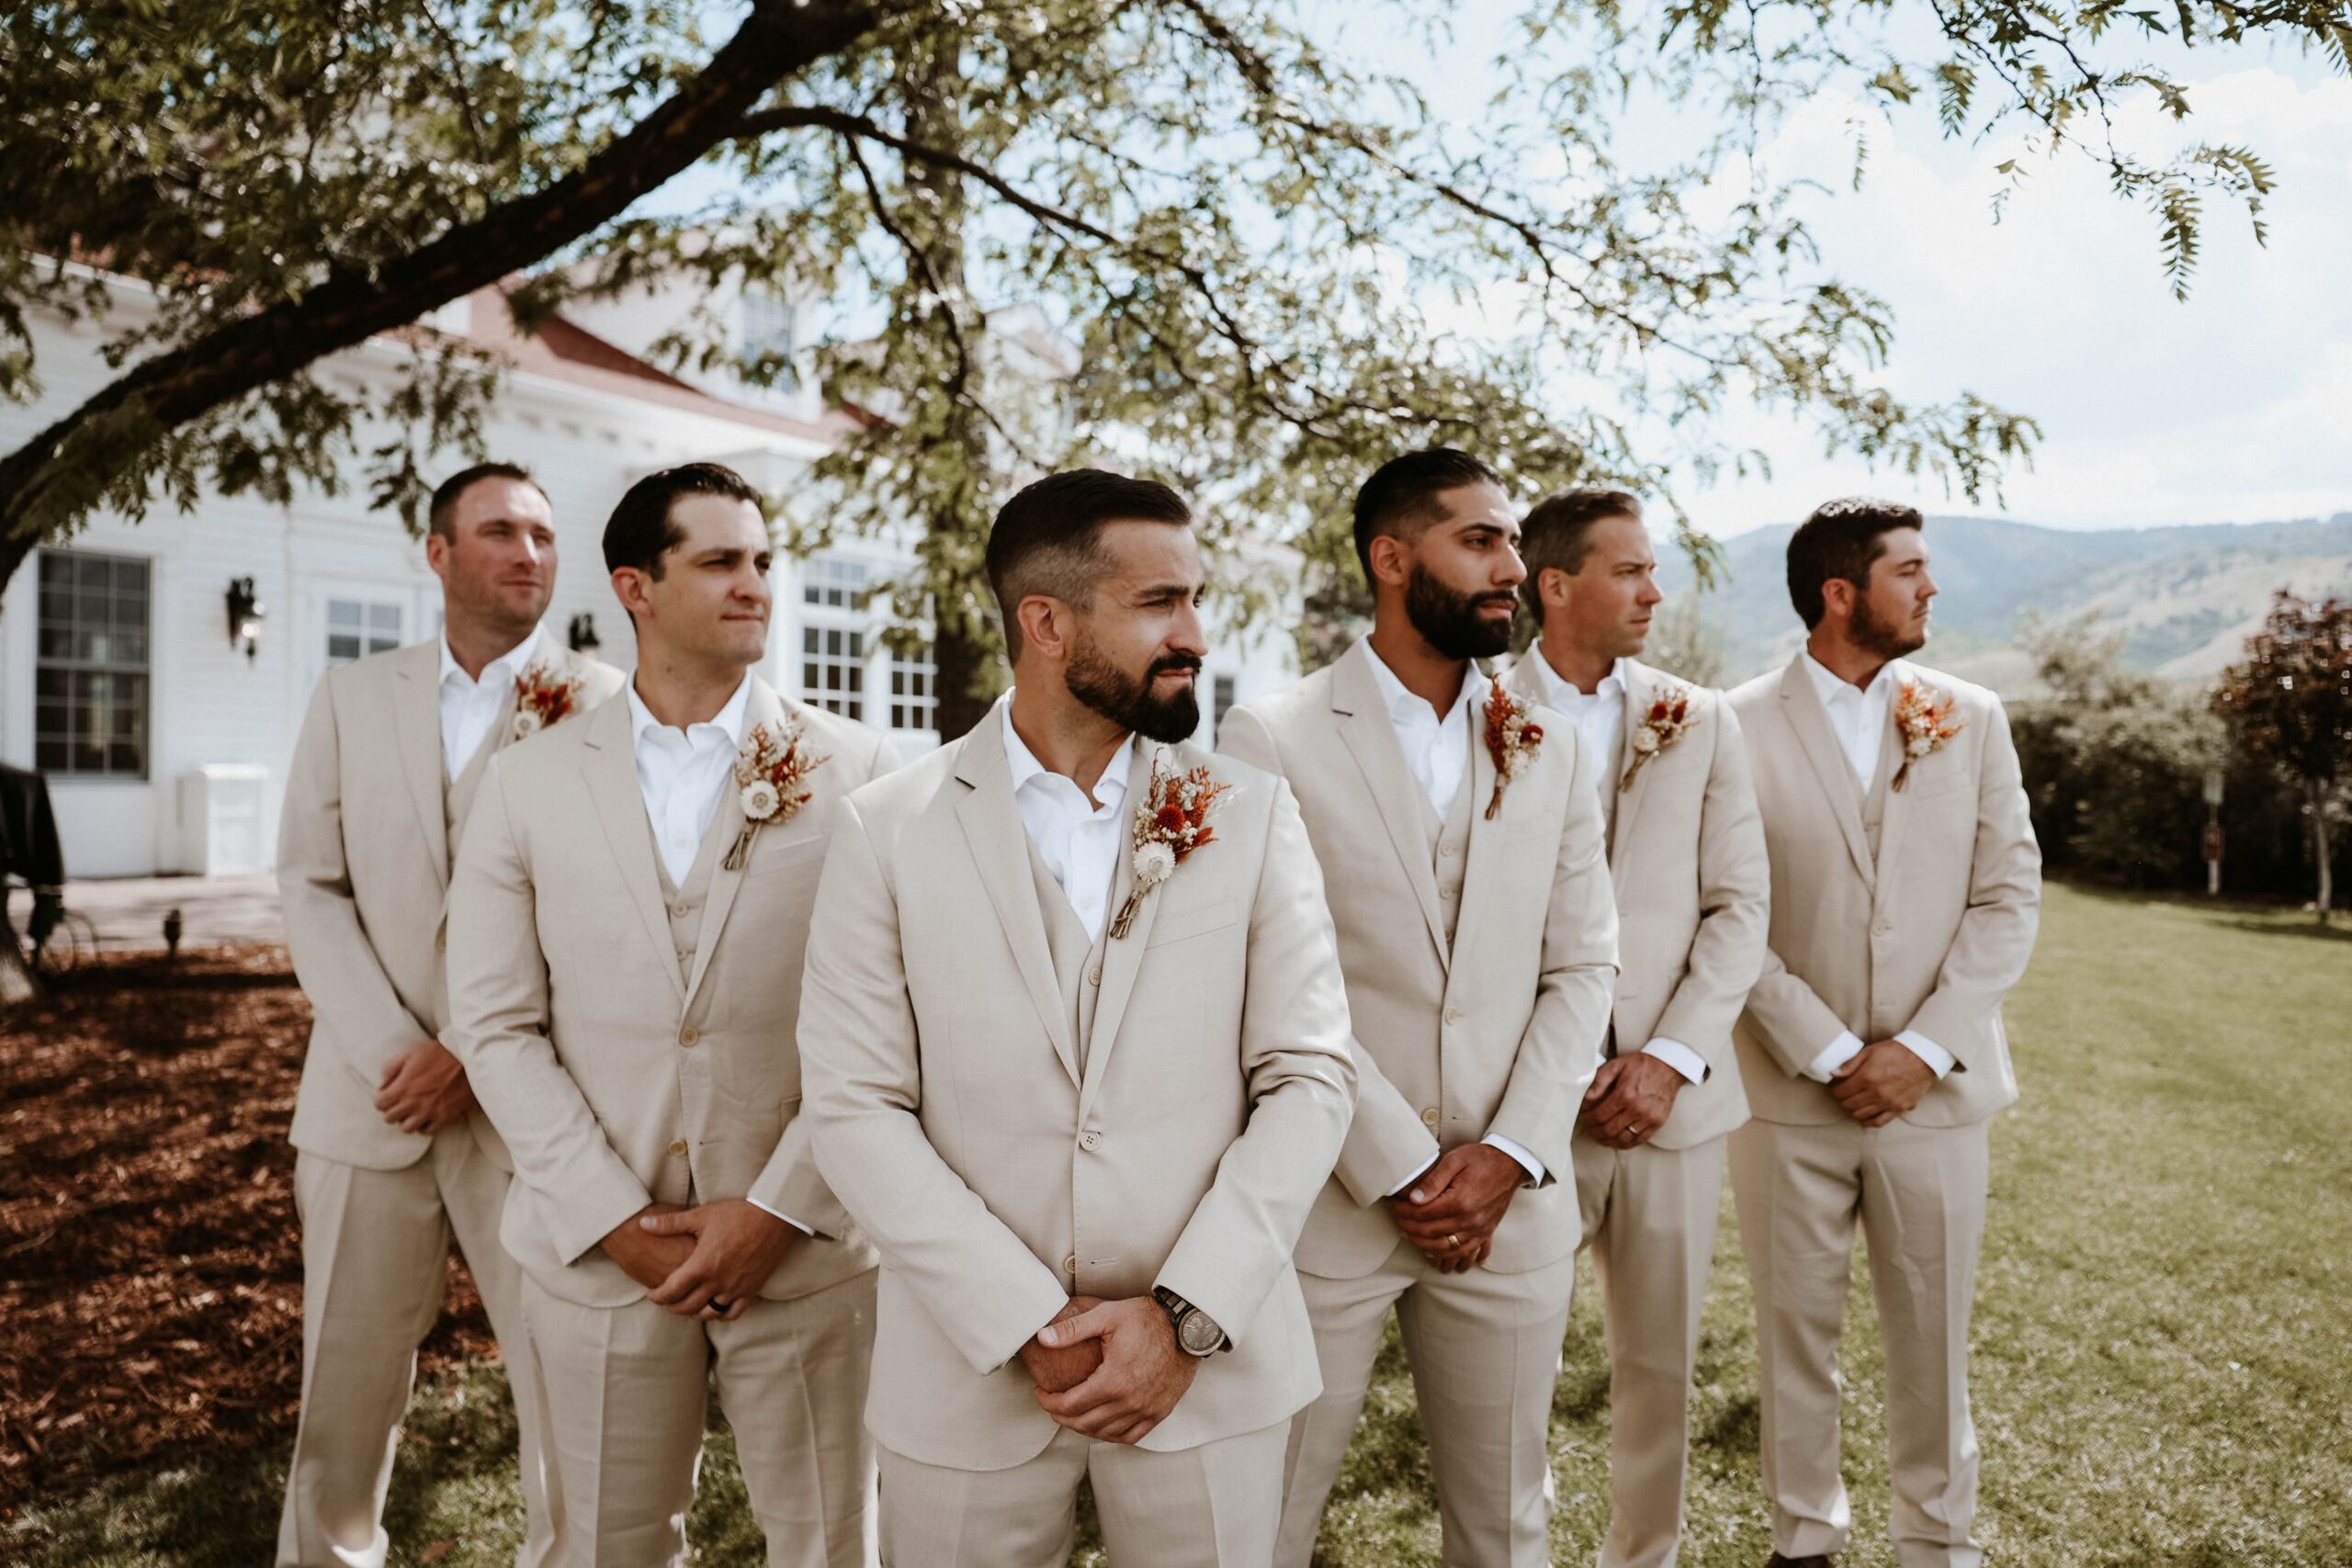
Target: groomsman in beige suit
1905,889
1079,1067
393,1158
625,937
1686,854
1479,943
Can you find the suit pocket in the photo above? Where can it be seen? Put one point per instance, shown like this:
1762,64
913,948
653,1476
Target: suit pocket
786,854
1182,925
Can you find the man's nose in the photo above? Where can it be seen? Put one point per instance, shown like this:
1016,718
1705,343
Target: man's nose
1651,593
1188,635
1513,569
1927,589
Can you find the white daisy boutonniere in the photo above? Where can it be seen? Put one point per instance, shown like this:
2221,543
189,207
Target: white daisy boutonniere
544,699
1174,822
771,781
1667,720
1923,719
1511,739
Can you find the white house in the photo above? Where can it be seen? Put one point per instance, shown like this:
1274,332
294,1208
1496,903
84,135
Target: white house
165,737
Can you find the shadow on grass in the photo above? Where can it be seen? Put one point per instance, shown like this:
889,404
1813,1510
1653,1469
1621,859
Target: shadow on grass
2303,926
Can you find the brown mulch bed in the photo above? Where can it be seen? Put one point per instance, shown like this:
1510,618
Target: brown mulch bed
151,1274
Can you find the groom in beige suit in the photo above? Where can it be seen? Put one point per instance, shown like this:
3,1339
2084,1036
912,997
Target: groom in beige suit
626,934
1480,943
1686,855
393,1158
1905,888
1080,1067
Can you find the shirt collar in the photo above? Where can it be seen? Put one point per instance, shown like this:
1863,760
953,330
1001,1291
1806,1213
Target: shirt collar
1025,767
505,667
1560,692
1827,684
728,720
1405,706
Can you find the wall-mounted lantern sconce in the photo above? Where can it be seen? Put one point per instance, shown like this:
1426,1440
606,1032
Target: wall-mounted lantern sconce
581,635
245,615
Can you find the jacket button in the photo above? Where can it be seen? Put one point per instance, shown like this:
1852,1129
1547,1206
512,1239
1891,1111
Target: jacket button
1453,1015
1428,1117
1090,1140
689,1035
1070,1264
1094,976
1447,892
679,1147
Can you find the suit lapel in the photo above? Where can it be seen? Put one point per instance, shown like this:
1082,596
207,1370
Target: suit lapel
418,724
1397,795
765,707
1810,720
1642,688
611,768
1000,847
1123,956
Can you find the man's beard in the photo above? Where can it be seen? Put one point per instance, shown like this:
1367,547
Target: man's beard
1448,621
1880,639
1128,702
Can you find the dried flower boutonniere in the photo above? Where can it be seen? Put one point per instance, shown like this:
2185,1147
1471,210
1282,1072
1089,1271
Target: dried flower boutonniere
544,699
1511,740
1174,822
771,781
1668,720
1924,719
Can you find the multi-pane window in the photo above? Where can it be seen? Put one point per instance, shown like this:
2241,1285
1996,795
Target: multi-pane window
90,679
1220,699
833,584
914,691
832,670
356,628
767,330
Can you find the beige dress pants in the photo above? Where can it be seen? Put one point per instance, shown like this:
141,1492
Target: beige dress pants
1919,1193
375,1263
628,1389
1485,1349
1214,1505
1649,1217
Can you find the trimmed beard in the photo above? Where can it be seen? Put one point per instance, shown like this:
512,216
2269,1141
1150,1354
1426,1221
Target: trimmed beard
1448,621
1128,702
1880,640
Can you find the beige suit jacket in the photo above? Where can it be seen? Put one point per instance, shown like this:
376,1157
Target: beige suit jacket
1499,1033
616,1081
1686,855
363,873
1002,1172
1927,934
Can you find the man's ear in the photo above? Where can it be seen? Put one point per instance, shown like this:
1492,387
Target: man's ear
1044,622
628,587
436,553
1837,600
1391,562
1552,588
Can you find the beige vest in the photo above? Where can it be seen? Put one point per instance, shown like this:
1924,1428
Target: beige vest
1077,959
684,905
456,805
1450,847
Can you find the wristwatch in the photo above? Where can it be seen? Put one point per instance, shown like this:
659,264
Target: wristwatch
1196,1332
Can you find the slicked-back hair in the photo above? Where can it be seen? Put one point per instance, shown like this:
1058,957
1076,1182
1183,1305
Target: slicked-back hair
1557,535
441,513
1400,499
1049,538
641,531
1841,540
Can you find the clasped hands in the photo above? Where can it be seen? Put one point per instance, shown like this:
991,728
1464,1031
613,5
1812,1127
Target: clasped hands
424,1089
1880,1082
1629,1100
708,1262
1109,1370
1451,1209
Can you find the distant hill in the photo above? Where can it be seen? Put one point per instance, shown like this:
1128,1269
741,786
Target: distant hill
2185,598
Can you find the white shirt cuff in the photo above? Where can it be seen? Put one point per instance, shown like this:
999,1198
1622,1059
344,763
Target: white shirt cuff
1940,1061
1417,1175
1835,1055
787,1219
1534,1167
1680,1058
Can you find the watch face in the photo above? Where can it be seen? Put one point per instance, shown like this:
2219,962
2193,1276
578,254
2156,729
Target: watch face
1200,1336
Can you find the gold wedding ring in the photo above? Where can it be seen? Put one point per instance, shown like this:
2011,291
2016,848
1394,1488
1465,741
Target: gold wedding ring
1454,1241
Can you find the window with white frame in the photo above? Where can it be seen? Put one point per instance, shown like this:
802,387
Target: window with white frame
835,639
831,582
767,330
914,690
90,674
357,627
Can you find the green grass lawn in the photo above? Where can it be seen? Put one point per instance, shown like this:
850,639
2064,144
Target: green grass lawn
2164,1338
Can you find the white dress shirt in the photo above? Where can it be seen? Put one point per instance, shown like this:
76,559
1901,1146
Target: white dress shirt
1079,841
684,774
469,708
1599,716
1438,751
1859,717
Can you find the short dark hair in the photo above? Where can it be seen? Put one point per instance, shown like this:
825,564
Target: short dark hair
1049,538
1400,499
1841,540
1557,535
640,530
441,513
